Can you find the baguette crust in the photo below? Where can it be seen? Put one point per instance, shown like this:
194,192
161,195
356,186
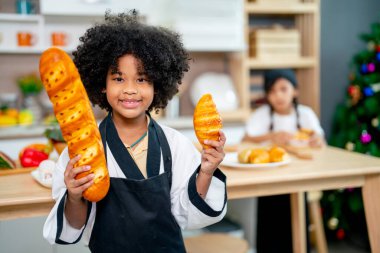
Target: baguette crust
207,121
73,111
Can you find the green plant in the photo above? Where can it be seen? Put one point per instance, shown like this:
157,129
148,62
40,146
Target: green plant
30,84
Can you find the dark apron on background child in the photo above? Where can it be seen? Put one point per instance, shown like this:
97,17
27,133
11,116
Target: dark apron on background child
136,216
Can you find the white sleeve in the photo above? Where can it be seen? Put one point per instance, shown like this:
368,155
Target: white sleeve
258,123
56,228
311,121
188,208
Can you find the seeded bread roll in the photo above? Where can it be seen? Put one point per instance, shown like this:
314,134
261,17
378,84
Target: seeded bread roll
73,111
207,121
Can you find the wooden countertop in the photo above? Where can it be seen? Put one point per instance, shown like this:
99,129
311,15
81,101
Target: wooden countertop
22,196
330,168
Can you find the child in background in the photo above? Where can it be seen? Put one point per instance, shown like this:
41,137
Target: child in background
159,182
279,123
283,118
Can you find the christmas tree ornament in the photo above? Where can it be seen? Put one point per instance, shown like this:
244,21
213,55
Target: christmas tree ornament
371,46
368,91
364,68
365,137
332,224
371,67
375,87
340,234
378,56
351,89
350,146
375,122
377,48
354,92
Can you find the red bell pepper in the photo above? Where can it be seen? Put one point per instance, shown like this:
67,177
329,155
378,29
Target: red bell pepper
31,157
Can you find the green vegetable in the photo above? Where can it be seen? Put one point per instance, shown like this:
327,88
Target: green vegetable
54,134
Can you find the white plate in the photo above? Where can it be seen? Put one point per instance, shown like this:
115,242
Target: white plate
231,160
36,175
220,86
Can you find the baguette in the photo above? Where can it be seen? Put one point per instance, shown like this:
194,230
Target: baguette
207,121
73,111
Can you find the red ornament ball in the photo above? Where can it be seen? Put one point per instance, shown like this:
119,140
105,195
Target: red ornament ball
340,234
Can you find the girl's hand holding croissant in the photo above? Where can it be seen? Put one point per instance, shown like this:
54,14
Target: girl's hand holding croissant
212,157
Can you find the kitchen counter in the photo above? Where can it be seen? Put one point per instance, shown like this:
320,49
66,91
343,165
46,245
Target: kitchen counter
331,168
21,196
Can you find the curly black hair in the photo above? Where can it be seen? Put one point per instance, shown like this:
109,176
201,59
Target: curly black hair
160,51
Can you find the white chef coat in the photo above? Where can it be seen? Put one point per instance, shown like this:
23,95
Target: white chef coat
185,160
259,121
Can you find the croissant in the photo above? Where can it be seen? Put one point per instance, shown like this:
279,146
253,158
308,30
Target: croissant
73,111
262,155
277,154
207,121
259,156
243,156
303,134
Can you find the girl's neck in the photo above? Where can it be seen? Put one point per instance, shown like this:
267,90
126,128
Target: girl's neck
285,111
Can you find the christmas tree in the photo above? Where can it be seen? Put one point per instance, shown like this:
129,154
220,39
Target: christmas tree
356,128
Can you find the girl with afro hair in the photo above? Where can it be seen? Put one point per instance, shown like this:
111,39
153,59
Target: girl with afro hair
160,183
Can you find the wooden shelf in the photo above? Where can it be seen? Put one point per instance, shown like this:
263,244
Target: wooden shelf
239,115
281,9
305,62
30,50
21,50
182,122
306,16
236,116
20,17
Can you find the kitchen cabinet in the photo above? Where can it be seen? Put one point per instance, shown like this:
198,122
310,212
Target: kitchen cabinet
218,44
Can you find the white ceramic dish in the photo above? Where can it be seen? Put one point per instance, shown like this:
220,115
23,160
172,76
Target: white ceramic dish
231,160
220,86
46,183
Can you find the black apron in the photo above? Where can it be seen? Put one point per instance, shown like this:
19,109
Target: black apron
135,216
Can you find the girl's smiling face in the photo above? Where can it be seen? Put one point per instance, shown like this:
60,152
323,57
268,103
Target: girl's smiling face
281,96
128,89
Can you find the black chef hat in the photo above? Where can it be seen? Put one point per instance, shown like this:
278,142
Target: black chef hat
271,76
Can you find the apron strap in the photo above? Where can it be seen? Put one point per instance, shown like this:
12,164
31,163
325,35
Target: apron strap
157,140
103,134
165,148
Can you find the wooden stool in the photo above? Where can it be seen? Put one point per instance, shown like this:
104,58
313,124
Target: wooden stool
317,234
215,243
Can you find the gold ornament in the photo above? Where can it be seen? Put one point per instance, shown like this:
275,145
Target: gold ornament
375,122
371,46
356,95
350,146
332,223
